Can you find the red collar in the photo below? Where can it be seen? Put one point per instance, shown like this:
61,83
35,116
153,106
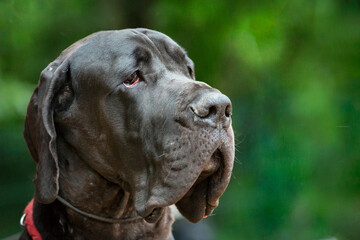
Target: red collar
29,222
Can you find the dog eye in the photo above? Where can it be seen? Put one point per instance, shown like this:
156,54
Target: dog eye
132,80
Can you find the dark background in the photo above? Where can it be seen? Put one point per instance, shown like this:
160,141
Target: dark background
291,68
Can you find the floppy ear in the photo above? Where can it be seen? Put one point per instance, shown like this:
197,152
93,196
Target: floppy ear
40,133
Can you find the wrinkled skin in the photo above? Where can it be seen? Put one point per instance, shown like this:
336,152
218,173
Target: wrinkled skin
119,150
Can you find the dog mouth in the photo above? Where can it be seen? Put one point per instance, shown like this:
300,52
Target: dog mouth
202,198
199,199
199,194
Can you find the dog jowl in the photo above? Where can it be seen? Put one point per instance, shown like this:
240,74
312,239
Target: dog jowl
119,128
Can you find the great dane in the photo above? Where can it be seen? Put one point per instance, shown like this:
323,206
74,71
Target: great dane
120,130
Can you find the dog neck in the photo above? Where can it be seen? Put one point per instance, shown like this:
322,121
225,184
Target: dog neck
88,191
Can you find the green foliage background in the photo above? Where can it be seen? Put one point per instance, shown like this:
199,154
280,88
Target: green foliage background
291,68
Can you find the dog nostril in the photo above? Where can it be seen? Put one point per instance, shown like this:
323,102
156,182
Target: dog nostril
204,112
228,111
212,111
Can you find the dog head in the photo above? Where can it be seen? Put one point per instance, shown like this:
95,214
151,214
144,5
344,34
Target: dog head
128,104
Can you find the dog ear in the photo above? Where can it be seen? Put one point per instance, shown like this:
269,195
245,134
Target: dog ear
40,133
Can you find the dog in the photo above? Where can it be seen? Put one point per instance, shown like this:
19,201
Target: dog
120,130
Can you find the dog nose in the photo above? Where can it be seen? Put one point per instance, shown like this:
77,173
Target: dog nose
212,109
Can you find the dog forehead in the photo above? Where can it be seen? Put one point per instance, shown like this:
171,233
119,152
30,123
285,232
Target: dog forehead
131,43
163,42
118,52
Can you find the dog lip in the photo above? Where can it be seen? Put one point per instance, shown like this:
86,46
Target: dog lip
209,186
211,204
205,181
209,209
212,167
214,163
199,191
